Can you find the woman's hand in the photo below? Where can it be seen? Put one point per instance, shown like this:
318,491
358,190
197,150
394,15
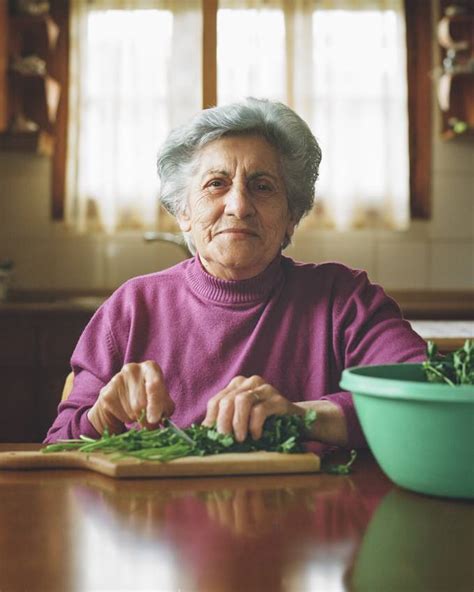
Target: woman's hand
136,388
244,405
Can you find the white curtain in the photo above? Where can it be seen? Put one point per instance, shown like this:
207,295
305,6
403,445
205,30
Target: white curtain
251,50
135,73
341,65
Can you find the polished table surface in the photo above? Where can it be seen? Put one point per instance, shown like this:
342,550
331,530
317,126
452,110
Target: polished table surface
73,531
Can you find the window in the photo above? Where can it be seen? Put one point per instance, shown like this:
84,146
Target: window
258,66
343,69
354,100
129,87
123,111
361,115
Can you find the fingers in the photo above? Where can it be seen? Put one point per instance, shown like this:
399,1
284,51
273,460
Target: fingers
111,400
243,410
158,402
213,404
243,406
229,409
136,388
131,392
273,403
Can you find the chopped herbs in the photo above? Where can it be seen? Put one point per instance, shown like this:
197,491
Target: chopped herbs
281,433
343,469
454,369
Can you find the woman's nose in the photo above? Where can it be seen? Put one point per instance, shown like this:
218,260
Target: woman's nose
239,202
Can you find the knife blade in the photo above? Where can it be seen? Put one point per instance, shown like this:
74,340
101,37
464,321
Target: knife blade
179,431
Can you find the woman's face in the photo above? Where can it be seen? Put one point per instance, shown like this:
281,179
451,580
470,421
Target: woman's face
237,210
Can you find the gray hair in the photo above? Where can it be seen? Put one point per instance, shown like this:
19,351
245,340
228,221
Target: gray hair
299,150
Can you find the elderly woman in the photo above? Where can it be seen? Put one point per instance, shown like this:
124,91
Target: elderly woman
238,332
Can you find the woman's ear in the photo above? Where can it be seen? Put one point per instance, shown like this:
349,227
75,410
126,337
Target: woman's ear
184,220
290,228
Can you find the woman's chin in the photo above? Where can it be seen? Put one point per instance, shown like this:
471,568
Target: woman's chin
239,266
239,251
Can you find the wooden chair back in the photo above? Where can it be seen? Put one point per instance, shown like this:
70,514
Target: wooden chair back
67,388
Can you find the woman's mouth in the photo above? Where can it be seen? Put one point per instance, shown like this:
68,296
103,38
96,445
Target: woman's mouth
238,232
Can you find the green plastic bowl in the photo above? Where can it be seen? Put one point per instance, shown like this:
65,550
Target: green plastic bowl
421,433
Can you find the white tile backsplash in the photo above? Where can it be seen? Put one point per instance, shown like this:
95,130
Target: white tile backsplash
358,254
453,206
452,265
402,265
353,248
78,263
418,230
32,262
129,257
25,210
306,247
455,156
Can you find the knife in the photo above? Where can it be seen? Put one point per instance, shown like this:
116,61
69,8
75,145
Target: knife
179,431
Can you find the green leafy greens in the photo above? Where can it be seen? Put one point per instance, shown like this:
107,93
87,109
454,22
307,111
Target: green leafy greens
281,433
454,369
343,469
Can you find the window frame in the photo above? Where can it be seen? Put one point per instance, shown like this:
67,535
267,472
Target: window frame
419,65
59,10
418,19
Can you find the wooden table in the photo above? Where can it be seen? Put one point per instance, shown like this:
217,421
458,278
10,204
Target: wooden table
73,531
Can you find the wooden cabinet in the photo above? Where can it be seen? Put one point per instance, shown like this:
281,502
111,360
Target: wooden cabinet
42,98
455,80
35,349
3,66
29,93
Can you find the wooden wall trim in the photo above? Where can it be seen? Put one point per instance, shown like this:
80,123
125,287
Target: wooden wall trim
435,304
4,113
60,70
419,66
209,53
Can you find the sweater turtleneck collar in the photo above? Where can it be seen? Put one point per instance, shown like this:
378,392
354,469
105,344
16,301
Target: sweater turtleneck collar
252,290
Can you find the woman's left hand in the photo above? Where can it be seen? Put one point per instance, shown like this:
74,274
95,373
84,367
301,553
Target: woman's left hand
244,405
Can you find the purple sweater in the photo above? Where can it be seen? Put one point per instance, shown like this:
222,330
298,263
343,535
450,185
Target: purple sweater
296,325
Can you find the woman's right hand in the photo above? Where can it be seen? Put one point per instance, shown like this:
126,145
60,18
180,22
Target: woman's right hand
136,388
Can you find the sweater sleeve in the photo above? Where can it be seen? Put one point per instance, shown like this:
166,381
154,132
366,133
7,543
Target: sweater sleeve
368,330
94,361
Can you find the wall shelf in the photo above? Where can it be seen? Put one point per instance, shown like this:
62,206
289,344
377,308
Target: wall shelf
455,77
39,142
33,34
37,98
30,94
451,134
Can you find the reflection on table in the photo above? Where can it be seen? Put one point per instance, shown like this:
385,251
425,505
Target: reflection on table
416,542
75,530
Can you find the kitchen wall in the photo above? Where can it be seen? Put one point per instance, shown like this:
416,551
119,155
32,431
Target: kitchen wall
432,255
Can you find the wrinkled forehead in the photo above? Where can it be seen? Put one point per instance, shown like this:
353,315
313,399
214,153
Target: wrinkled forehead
249,153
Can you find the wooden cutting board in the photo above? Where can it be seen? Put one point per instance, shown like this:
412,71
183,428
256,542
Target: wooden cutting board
220,464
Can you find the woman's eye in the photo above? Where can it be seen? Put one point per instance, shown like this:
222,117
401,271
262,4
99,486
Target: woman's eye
262,186
215,183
